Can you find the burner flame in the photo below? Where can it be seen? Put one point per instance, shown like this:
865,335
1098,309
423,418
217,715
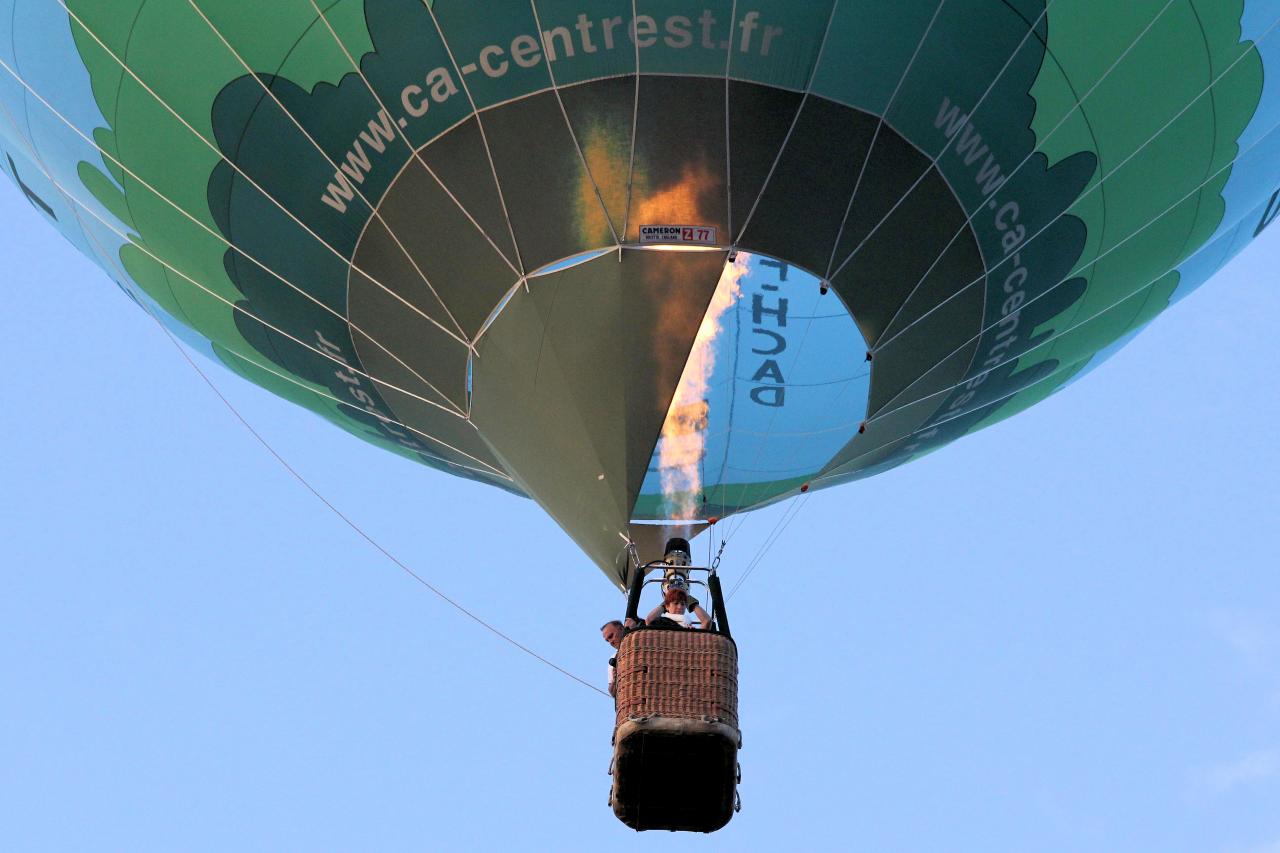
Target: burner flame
683,441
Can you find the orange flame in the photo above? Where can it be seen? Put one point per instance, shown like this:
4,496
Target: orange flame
606,151
684,430
681,202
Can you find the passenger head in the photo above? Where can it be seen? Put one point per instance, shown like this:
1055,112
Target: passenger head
675,601
612,632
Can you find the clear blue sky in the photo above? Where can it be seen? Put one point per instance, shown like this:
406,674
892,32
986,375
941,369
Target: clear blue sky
195,654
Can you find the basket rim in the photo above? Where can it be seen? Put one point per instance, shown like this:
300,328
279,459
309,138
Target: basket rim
709,632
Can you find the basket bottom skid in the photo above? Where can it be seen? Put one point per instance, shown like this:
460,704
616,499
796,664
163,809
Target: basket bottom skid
676,775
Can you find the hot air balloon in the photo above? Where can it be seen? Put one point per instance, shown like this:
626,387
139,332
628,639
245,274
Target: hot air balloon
650,262
492,241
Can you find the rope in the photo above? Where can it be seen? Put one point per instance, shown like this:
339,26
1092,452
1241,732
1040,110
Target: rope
231,407
356,527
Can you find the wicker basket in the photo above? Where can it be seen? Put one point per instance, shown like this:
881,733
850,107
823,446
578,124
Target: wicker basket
676,739
684,674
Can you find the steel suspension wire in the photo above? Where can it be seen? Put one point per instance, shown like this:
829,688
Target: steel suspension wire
1118,60
1097,185
573,135
484,139
1079,103
987,196
234,166
374,208
763,441
759,196
417,153
785,521
867,157
885,411
880,123
779,527
195,220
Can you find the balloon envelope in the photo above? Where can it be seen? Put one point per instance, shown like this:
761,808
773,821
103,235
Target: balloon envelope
652,261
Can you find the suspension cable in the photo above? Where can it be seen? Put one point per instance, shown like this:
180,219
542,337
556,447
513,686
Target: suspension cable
779,527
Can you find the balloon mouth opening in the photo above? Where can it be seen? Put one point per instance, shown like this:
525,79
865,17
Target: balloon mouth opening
773,389
592,254
571,261
671,247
